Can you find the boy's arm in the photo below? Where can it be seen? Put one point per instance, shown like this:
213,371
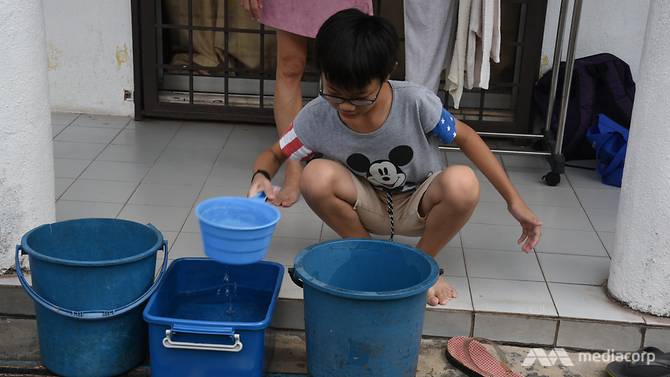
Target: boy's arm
268,162
478,152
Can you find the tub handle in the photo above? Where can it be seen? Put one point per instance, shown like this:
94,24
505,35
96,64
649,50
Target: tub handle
296,280
235,347
89,314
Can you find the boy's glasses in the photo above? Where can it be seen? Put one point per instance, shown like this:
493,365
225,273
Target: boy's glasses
336,100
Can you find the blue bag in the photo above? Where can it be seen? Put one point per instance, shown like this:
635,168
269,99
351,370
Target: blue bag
609,139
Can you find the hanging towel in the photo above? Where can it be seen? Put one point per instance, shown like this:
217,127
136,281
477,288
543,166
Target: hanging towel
483,42
455,76
430,33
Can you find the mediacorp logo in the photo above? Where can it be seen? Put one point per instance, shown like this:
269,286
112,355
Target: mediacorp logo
548,358
559,356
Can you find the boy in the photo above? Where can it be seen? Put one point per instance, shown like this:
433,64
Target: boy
381,171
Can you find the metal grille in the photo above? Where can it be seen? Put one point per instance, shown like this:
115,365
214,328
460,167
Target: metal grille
206,59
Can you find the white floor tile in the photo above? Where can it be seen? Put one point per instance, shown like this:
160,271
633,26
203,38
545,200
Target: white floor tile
506,265
154,124
196,136
575,242
61,185
657,337
165,195
510,296
604,220
491,237
532,177
164,218
187,245
102,121
177,175
599,336
463,301
69,168
239,177
116,171
56,129
562,217
69,210
586,179
492,213
189,157
447,323
191,224
559,196
87,135
598,198
575,269
514,161
589,302
82,151
518,329
63,118
608,239
299,225
143,137
130,153
284,249
100,191
451,259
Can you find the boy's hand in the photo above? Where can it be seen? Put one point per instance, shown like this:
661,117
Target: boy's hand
531,225
262,184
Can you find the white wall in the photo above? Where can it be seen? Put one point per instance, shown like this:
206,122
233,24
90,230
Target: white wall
26,148
614,26
89,46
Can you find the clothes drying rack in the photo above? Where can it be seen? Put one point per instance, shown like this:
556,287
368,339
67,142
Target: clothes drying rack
548,143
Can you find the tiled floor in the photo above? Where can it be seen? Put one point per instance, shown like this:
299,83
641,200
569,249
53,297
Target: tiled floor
156,171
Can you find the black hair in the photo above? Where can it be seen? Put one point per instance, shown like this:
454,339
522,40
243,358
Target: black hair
354,48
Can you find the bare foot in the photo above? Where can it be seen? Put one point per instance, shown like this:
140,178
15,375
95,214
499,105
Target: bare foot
441,292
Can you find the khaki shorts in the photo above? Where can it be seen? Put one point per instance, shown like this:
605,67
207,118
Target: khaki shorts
372,210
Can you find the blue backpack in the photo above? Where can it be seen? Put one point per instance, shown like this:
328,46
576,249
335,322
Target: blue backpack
609,139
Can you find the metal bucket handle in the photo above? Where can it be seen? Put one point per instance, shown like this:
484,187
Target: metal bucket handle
90,314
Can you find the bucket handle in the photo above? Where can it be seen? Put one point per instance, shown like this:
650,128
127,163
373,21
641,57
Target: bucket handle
226,331
294,278
88,314
260,197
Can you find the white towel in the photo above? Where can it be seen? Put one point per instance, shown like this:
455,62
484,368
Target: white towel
429,39
483,42
455,76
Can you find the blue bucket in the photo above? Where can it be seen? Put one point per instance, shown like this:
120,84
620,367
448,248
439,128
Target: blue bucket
237,230
192,329
90,278
364,306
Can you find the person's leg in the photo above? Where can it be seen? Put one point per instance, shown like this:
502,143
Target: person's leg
329,190
447,205
291,60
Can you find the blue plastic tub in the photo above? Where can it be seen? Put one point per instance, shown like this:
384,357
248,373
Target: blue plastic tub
90,279
364,306
192,331
236,230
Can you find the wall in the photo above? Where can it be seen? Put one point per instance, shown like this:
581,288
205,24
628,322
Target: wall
614,26
26,149
89,46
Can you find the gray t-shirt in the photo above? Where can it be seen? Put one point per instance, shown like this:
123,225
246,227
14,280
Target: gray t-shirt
396,157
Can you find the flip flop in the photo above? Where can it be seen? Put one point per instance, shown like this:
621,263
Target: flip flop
473,358
660,367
